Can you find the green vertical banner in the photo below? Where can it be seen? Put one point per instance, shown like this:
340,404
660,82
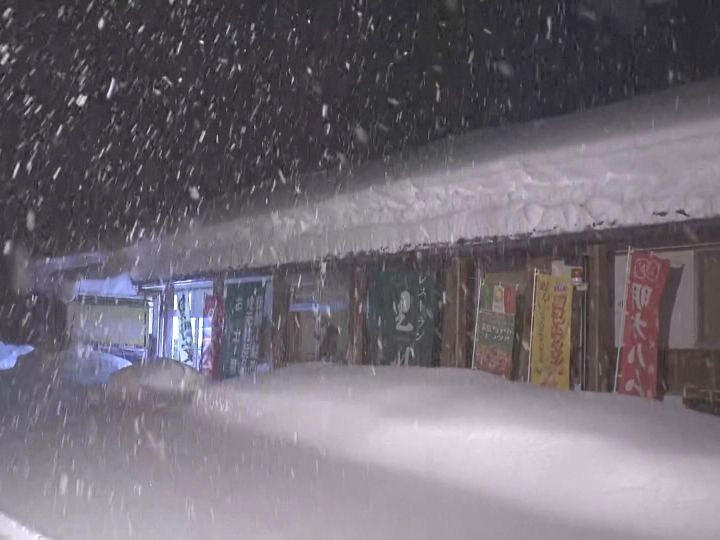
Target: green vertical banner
244,304
403,309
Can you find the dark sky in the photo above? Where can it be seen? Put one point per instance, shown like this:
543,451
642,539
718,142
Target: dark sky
115,115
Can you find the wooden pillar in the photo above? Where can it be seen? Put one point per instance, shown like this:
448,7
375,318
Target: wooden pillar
280,313
218,322
357,323
600,318
294,337
458,299
168,305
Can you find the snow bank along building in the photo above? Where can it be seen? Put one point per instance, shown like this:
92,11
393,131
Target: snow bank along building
386,266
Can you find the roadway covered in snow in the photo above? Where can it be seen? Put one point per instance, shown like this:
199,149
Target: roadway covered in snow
648,160
316,451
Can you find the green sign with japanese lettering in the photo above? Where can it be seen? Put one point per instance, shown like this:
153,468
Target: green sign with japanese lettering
244,304
403,311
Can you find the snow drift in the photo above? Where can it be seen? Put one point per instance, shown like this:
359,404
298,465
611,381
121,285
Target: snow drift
318,451
633,468
9,354
84,365
48,383
158,382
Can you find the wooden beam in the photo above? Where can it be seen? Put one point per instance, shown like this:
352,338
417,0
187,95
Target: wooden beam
294,342
600,318
454,351
217,327
168,300
280,314
357,324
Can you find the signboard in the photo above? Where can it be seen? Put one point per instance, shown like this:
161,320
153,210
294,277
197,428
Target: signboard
496,329
244,304
403,312
186,344
639,356
551,345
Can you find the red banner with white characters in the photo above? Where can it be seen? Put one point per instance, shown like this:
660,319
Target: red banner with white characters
639,358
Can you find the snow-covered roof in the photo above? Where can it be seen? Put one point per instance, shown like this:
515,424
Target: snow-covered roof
648,160
119,286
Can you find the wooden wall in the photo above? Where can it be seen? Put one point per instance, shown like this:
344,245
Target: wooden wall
696,367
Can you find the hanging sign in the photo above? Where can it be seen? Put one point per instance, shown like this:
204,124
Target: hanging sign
496,329
551,345
639,357
187,343
404,309
243,321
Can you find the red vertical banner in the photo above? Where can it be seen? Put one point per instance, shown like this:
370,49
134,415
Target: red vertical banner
647,274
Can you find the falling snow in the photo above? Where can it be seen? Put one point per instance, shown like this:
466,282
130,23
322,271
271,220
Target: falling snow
153,141
30,220
249,83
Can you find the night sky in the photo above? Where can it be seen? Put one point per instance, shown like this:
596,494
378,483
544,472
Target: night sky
122,117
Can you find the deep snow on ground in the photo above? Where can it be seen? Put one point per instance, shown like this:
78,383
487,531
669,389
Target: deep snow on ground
84,365
150,384
43,385
334,452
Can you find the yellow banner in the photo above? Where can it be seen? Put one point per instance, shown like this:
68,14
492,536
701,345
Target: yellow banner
551,345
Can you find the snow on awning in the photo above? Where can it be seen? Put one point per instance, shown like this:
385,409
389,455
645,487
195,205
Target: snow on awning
119,286
648,160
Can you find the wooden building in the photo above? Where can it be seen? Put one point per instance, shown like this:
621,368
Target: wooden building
566,194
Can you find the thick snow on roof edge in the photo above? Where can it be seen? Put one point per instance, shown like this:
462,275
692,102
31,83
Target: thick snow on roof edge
644,161
119,286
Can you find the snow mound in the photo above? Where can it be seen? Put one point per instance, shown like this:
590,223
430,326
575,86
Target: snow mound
158,382
59,381
9,354
319,451
86,366
12,530
619,466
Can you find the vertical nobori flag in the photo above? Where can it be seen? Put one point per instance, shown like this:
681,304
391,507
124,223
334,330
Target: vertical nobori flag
647,275
551,345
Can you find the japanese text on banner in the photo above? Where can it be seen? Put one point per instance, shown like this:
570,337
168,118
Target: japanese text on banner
496,329
551,344
639,356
